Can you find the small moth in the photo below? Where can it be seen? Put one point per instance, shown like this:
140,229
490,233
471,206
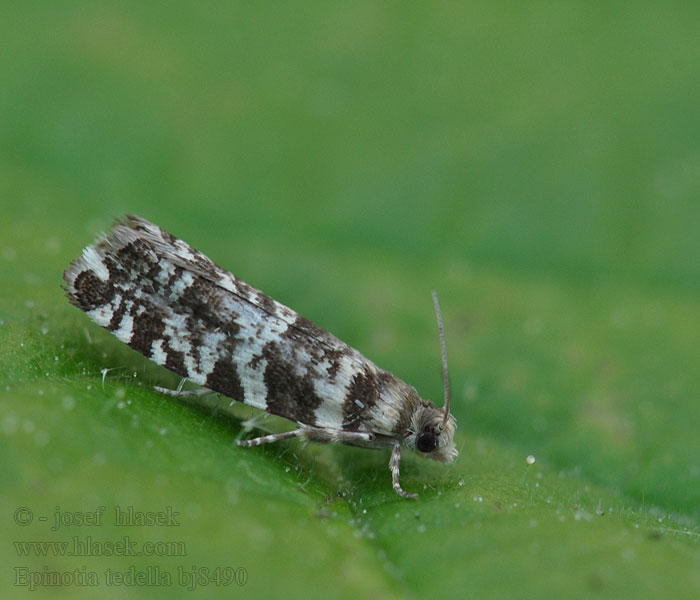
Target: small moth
174,305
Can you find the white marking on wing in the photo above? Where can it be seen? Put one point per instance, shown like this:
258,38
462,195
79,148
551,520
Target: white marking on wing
93,259
158,353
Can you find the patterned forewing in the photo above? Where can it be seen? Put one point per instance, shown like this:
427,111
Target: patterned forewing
174,305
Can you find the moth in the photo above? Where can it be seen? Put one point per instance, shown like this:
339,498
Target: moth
174,305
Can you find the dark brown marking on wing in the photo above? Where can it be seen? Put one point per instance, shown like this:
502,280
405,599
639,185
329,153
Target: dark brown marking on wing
204,300
224,379
363,393
117,316
147,327
288,395
175,361
266,303
90,291
319,345
334,357
138,257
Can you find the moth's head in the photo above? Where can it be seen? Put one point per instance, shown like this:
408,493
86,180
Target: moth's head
432,429
431,434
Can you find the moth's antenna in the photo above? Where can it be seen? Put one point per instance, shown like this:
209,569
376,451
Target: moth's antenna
445,373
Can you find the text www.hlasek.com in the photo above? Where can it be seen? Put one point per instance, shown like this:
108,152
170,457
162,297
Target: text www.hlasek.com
87,546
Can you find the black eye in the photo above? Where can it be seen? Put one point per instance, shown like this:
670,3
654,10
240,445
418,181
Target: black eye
427,442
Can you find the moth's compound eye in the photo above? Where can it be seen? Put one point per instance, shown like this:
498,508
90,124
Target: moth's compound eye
427,441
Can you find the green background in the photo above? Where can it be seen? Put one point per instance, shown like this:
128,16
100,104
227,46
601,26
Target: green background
538,163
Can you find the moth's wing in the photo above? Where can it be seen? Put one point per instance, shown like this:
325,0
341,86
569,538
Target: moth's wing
177,307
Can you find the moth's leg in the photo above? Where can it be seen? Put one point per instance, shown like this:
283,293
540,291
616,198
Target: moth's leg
268,439
335,436
394,465
312,434
183,393
253,422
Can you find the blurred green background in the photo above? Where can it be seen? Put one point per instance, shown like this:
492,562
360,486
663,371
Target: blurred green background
538,163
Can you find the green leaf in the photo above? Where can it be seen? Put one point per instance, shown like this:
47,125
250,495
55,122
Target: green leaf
536,164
